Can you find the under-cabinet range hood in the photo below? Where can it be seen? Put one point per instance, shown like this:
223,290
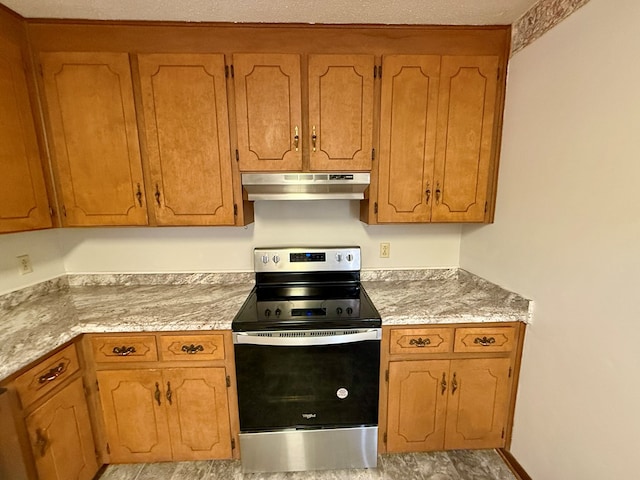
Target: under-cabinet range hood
305,186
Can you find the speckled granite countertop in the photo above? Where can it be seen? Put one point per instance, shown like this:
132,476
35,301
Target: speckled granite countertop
36,320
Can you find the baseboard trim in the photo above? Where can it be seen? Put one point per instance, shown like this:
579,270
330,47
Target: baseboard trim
513,464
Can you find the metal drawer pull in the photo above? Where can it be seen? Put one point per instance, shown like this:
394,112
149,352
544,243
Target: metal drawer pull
484,341
139,195
420,342
192,349
124,351
454,384
443,383
296,139
157,393
41,442
52,374
169,393
314,138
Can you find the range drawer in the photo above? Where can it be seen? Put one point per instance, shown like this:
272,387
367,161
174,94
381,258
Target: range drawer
192,347
47,375
484,339
125,348
420,340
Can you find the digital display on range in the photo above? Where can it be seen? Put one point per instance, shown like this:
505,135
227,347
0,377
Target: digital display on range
307,257
308,312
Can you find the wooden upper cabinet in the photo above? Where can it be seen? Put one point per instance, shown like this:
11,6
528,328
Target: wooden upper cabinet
23,197
464,147
340,112
268,111
186,126
94,138
407,137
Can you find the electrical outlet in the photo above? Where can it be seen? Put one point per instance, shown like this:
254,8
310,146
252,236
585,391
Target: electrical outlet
385,249
24,264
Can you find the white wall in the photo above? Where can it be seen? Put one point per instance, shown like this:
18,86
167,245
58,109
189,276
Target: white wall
567,234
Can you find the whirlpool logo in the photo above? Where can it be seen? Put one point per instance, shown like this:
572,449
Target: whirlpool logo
309,415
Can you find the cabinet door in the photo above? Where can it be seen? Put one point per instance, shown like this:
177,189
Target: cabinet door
268,111
340,112
198,413
23,196
407,137
478,403
61,438
417,405
135,416
94,138
466,113
187,137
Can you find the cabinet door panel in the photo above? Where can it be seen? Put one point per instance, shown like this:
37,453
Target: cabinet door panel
23,196
198,413
417,405
407,137
268,111
135,416
187,133
478,408
94,138
466,113
341,110
61,438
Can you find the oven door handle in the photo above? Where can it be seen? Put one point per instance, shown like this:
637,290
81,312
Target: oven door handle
309,339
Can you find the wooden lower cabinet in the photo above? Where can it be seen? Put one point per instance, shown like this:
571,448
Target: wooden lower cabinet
165,414
61,437
442,404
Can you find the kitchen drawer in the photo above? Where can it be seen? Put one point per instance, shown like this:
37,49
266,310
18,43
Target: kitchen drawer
420,340
125,348
192,347
47,375
485,339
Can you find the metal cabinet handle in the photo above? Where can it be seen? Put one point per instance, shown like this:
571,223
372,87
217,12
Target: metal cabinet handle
139,195
454,384
484,341
314,138
169,393
428,192
296,139
438,192
443,383
192,349
157,393
420,342
52,374
157,195
124,350
41,442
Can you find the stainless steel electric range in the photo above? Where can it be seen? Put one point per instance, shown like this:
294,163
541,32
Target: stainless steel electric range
307,352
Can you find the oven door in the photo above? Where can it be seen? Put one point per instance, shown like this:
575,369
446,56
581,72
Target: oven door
307,379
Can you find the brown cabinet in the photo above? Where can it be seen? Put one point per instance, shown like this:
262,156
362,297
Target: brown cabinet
94,138
448,397
278,129
186,133
177,408
438,136
23,197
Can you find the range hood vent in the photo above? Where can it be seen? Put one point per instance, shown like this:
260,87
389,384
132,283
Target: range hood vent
305,186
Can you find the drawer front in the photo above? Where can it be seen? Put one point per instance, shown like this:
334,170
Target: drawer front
192,347
485,339
420,340
48,374
125,349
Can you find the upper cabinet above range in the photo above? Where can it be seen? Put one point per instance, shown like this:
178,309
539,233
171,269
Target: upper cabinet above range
282,129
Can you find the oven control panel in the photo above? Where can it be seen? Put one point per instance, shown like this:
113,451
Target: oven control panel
316,259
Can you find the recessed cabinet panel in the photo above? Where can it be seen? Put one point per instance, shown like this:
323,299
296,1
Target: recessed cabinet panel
187,136
340,112
466,116
268,111
407,137
94,137
23,197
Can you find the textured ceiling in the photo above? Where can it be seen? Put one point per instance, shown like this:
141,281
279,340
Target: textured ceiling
430,12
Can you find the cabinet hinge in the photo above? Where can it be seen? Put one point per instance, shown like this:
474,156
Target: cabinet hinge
502,433
64,210
226,71
237,155
108,449
228,381
509,372
375,71
384,437
233,443
386,375
380,71
375,207
235,209
233,74
373,154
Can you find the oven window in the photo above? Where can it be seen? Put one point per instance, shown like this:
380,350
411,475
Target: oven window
307,387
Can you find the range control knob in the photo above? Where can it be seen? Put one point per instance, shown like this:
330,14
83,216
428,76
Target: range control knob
349,257
276,259
278,312
349,310
339,311
265,258
267,313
